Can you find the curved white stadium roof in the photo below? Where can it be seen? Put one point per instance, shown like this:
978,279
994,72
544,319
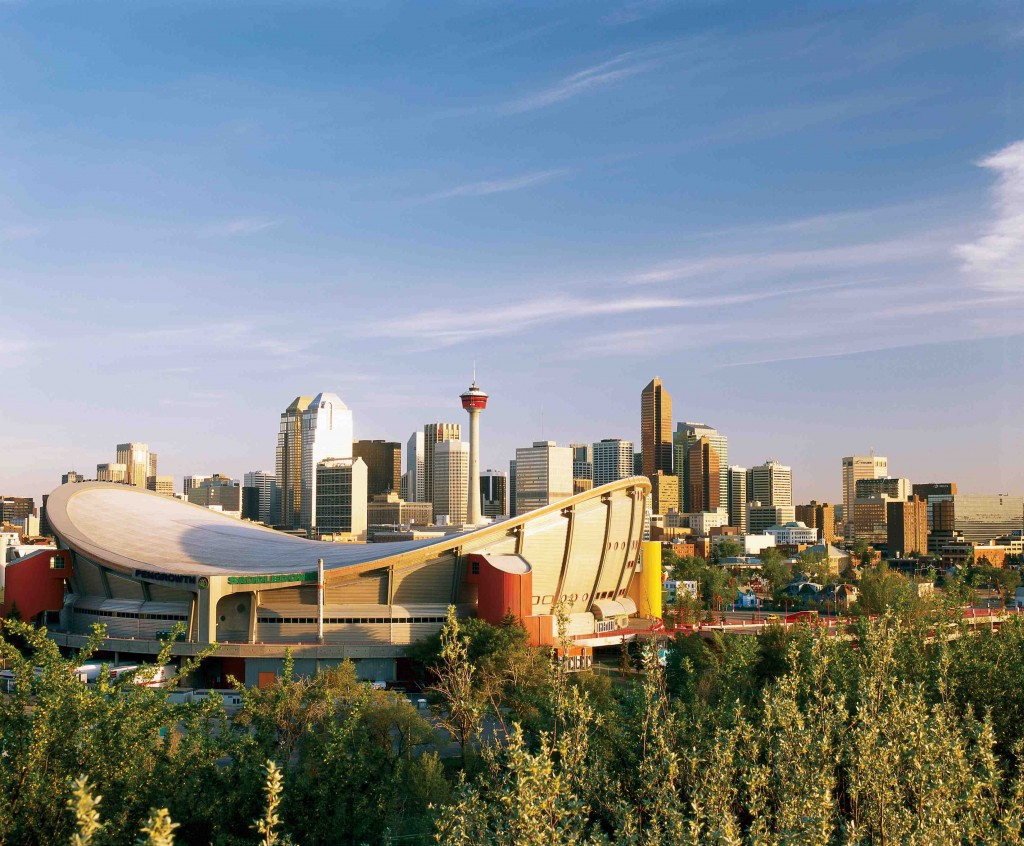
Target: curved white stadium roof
135,528
132,528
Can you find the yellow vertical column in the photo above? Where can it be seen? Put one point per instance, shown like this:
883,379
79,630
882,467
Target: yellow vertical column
650,580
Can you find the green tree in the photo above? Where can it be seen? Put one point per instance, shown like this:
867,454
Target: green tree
727,549
717,587
862,552
689,568
460,704
777,573
881,589
54,729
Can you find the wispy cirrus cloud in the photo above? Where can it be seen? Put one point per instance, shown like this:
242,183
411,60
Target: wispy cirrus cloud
238,336
995,260
239,227
495,186
763,264
606,73
443,327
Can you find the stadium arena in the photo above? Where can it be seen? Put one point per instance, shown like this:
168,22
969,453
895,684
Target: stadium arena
140,563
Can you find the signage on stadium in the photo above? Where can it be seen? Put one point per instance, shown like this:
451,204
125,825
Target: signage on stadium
177,578
577,663
270,580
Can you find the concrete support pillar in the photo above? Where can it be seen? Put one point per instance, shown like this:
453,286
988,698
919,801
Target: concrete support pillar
320,600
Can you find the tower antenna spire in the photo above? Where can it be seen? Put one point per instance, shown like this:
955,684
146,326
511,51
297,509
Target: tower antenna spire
474,371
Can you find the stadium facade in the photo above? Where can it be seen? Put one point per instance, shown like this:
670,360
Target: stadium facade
140,563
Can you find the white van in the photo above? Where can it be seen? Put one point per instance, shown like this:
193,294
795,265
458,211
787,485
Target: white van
118,671
88,673
158,678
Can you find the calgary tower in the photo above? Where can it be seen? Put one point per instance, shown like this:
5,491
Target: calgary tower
474,401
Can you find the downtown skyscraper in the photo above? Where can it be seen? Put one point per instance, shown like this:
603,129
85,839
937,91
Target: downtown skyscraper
855,468
326,433
434,434
311,430
139,463
288,467
655,429
686,436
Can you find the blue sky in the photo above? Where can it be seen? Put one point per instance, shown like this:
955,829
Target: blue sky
808,220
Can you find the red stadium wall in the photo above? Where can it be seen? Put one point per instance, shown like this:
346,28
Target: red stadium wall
501,593
33,586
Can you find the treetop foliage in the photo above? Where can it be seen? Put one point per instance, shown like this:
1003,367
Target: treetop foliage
907,729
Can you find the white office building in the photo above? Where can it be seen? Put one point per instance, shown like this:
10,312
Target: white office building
613,460
543,474
770,483
266,484
793,533
326,433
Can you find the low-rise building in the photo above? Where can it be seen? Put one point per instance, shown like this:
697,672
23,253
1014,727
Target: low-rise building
219,493
820,516
793,533
839,560
703,521
390,509
746,598
761,517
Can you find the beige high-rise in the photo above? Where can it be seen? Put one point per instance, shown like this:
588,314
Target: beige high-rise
451,480
664,492
135,458
111,473
435,433
856,467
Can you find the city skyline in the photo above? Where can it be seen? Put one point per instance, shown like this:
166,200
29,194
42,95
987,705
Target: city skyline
803,222
791,484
